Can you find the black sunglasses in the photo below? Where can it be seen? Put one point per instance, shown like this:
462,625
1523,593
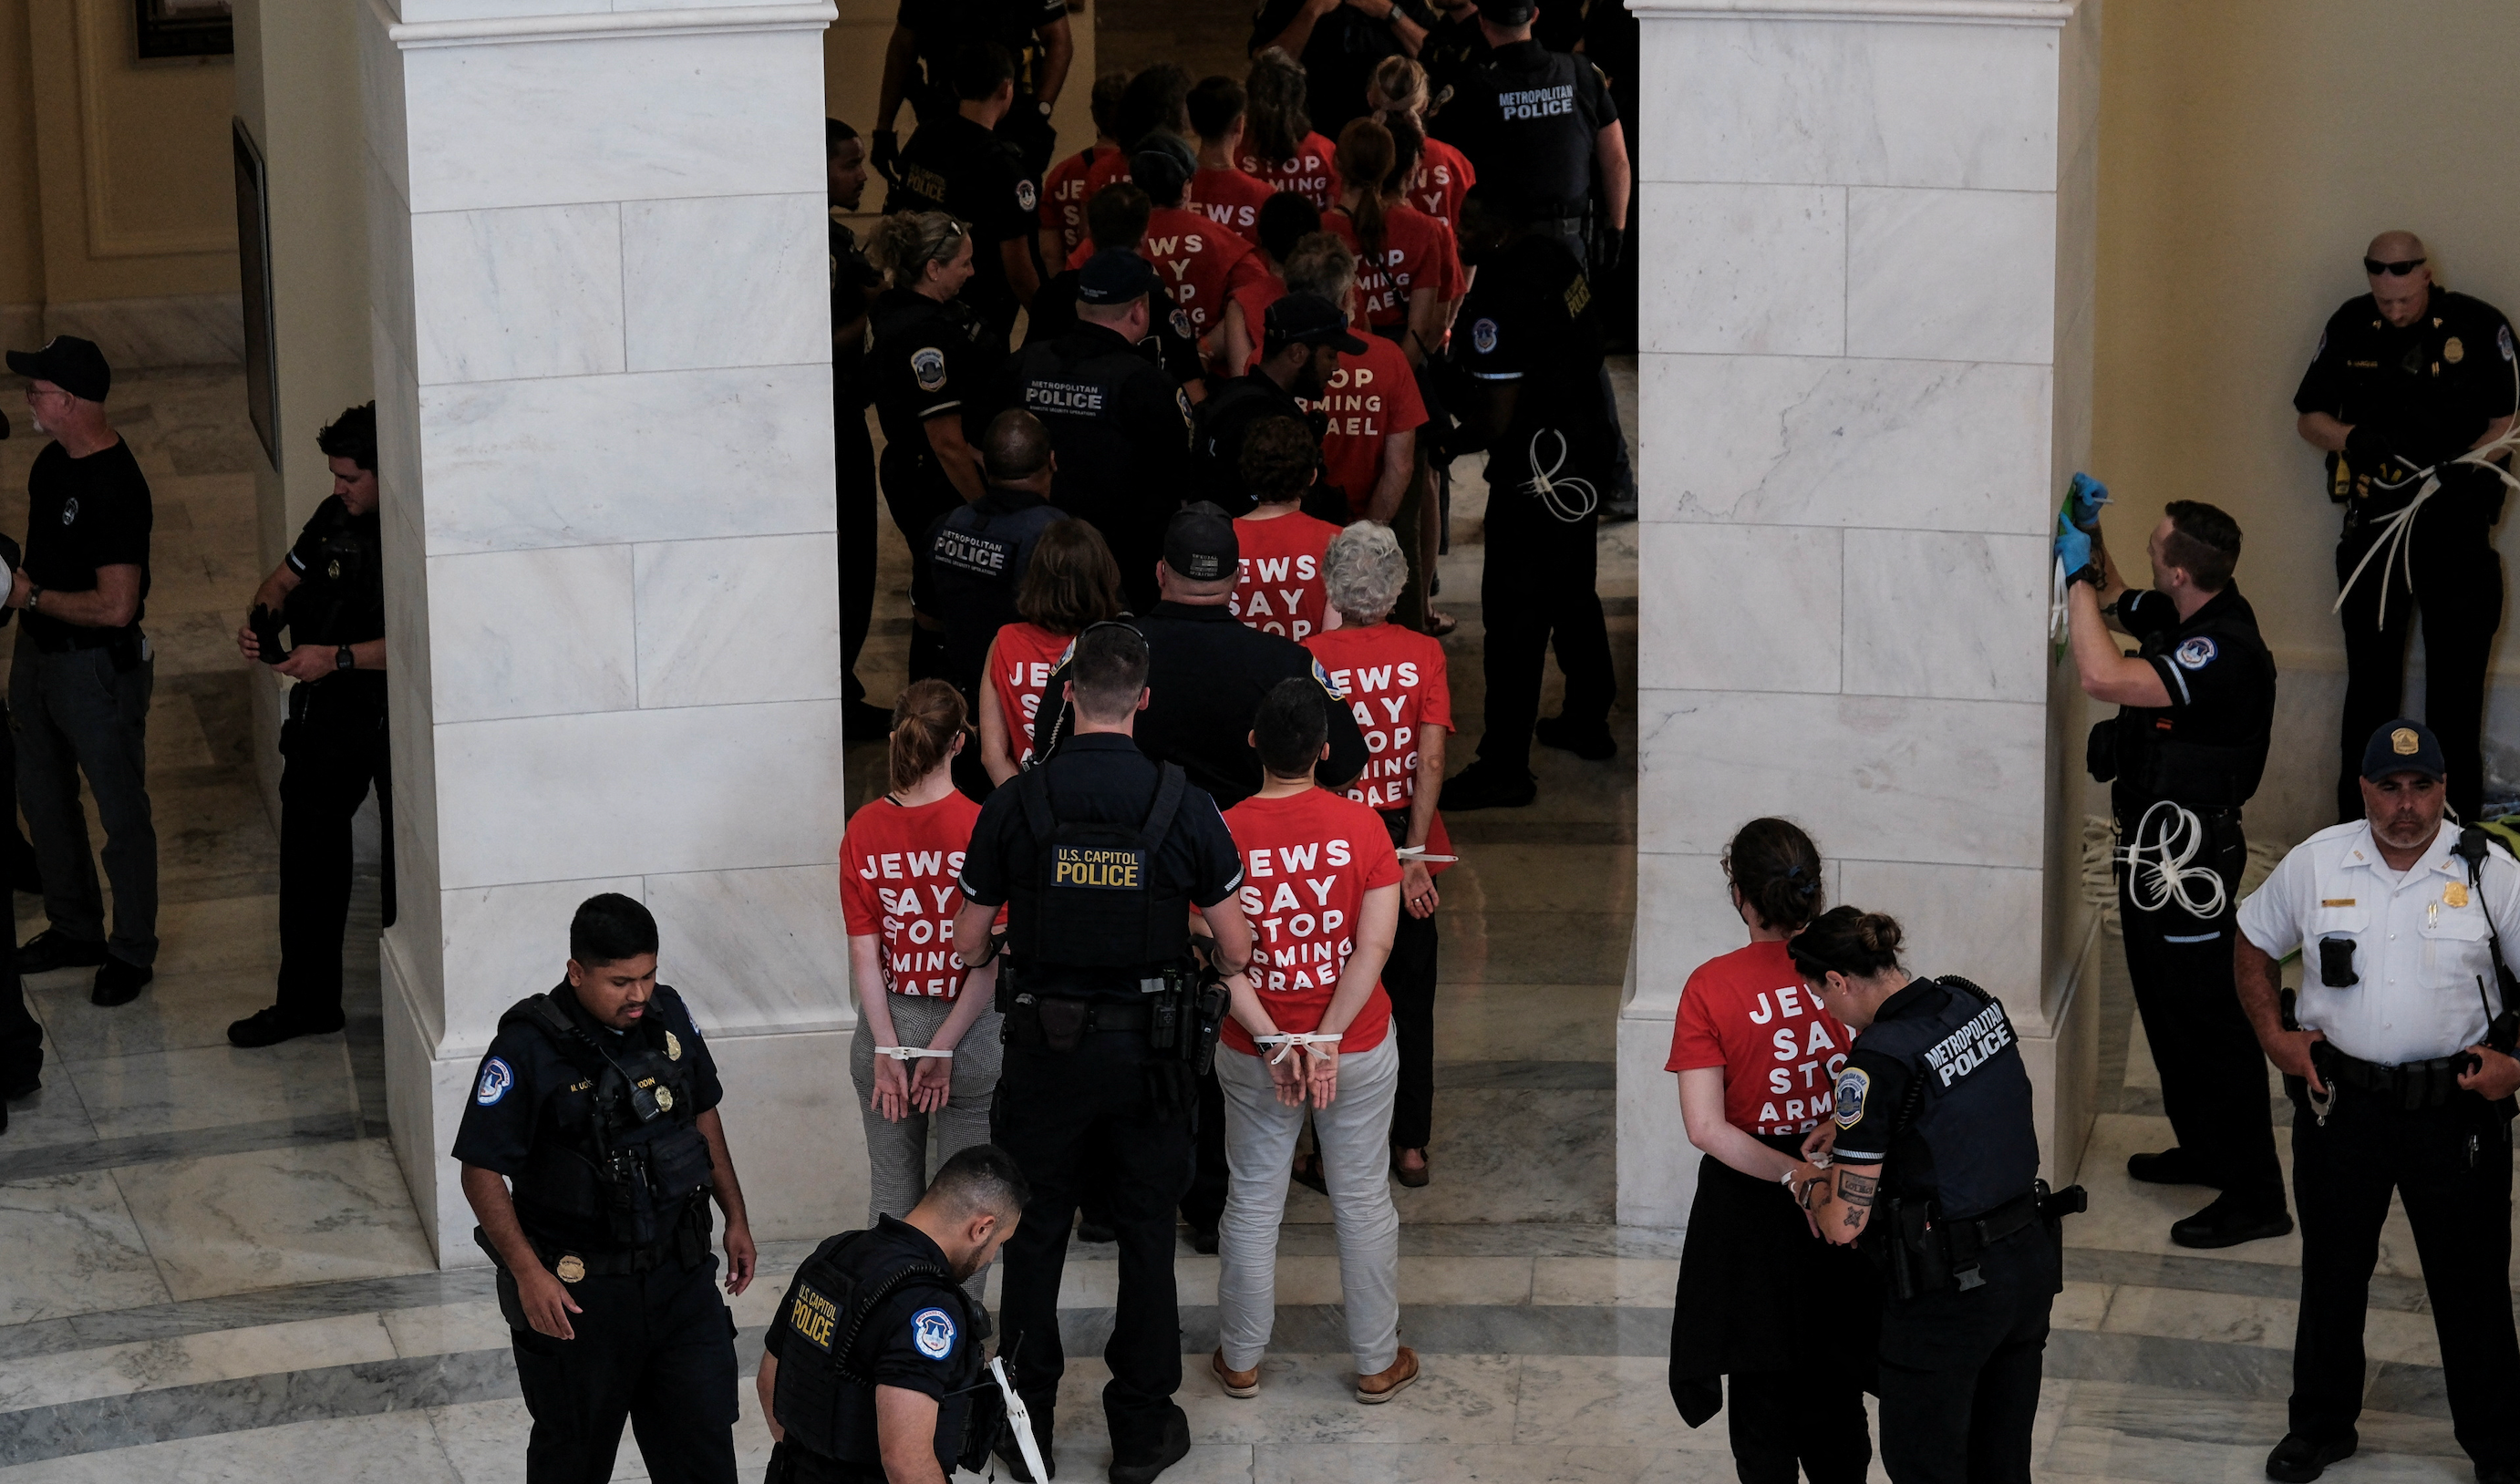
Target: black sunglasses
2374,267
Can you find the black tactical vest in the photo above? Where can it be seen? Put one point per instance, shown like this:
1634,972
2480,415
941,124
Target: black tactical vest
1074,385
1964,1139
634,1158
976,555
822,1395
1099,896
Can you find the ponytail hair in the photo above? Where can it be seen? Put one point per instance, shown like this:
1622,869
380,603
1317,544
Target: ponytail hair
1401,83
1276,123
1777,869
926,720
905,243
1846,940
1408,149
1363,161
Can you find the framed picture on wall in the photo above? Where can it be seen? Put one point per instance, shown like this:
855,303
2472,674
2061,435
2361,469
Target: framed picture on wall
185,27
253,263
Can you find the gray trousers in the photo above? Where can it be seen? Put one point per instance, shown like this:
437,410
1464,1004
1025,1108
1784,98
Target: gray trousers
75,713
897,1167
1355,1136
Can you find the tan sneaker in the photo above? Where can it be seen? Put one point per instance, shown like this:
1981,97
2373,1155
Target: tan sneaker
1373,1390
1244,1383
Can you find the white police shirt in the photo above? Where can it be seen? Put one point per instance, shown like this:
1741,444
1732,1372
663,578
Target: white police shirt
2420,942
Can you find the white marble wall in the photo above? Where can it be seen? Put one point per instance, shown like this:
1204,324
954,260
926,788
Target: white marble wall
1866,365
604,390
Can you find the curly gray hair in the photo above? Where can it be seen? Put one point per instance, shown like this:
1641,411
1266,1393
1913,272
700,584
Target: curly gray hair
1363,571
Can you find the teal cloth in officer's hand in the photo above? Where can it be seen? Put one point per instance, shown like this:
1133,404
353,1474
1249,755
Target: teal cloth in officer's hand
2073,546
2083,501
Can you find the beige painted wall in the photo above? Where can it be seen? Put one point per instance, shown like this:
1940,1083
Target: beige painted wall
22,241
2249,149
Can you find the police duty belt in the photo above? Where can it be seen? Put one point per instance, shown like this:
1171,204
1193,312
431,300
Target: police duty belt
2395,529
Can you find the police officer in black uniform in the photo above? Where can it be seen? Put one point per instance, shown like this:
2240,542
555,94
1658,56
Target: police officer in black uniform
329,594
591,1151
2407,378
1301,336
1454,45
1116,217
1527,354
979,551
1098,852
917,63
927,372
2196,707
883,1311
955,164
1121,426
1339,45
854,285
1936,1170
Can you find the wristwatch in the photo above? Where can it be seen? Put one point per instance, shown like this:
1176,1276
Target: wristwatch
34,594
344,659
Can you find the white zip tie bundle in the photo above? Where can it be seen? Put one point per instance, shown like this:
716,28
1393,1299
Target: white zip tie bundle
1418,853
1545,484
910,1053
2173,878
1287,1040
2396,531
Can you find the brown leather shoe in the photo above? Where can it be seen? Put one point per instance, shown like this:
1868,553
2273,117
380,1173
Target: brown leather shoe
1376,1389
1244,1383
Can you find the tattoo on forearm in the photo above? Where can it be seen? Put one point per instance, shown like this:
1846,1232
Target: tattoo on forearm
1856,1190
1854,1217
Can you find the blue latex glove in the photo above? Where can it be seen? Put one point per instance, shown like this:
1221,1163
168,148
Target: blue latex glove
2082,501
2073,546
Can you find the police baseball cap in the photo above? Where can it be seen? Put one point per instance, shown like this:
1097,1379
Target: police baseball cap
73,365
1199,544
2403,747
1114,276
1162,164
1509,12
1307,319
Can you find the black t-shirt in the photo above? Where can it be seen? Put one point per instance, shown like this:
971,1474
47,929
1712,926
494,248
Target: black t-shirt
1527,118
2426,389
954,165
340,593
1530,321
940,28
525,1091
1221,424
82,515
1100,776
2211,739
913,1340
854,285
1339,60
1172,344
1451,49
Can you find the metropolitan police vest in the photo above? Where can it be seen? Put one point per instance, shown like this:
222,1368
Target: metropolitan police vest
1964,1140
629,1151
1099,896
976,554
824,1396
1075,385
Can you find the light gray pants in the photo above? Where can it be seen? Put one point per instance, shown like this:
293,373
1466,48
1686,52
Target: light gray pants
1355,1136
75,714
897,1167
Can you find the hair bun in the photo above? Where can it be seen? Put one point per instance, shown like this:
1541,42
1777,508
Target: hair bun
1879,933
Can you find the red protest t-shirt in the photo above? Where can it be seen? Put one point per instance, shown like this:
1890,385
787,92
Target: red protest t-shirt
1445,176
1308,860
1280,590
899,867
1309,173
1199,261
1021,662
1748,1012
1110,169
1373,395
1231,199
1394,680
1255,297
1418,252
1064,191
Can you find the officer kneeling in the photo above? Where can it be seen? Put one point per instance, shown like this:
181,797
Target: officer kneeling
1933,1136
2399,1066
591,1149
1098,853
871,1371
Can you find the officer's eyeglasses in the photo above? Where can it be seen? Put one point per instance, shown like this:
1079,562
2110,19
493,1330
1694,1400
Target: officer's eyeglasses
2374,267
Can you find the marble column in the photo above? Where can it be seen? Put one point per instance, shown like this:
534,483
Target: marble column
1866,338
603,393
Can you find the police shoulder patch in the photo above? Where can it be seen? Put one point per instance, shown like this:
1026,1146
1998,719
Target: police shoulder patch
2196,653
1180,399
1484,336
931,1330
1322,678
927,364
1025,196
496,1078
1182,325
1852,1085
2502,340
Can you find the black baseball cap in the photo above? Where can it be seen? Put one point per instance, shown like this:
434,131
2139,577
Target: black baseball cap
1199,543
2403,747
1307,319
1162,164
1114,276
73,365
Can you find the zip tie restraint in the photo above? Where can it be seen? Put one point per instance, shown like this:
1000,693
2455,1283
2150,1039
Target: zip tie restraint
2173,878
1545,484
1418,853
910,1053
1287,1040
2394,531
1019,1420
